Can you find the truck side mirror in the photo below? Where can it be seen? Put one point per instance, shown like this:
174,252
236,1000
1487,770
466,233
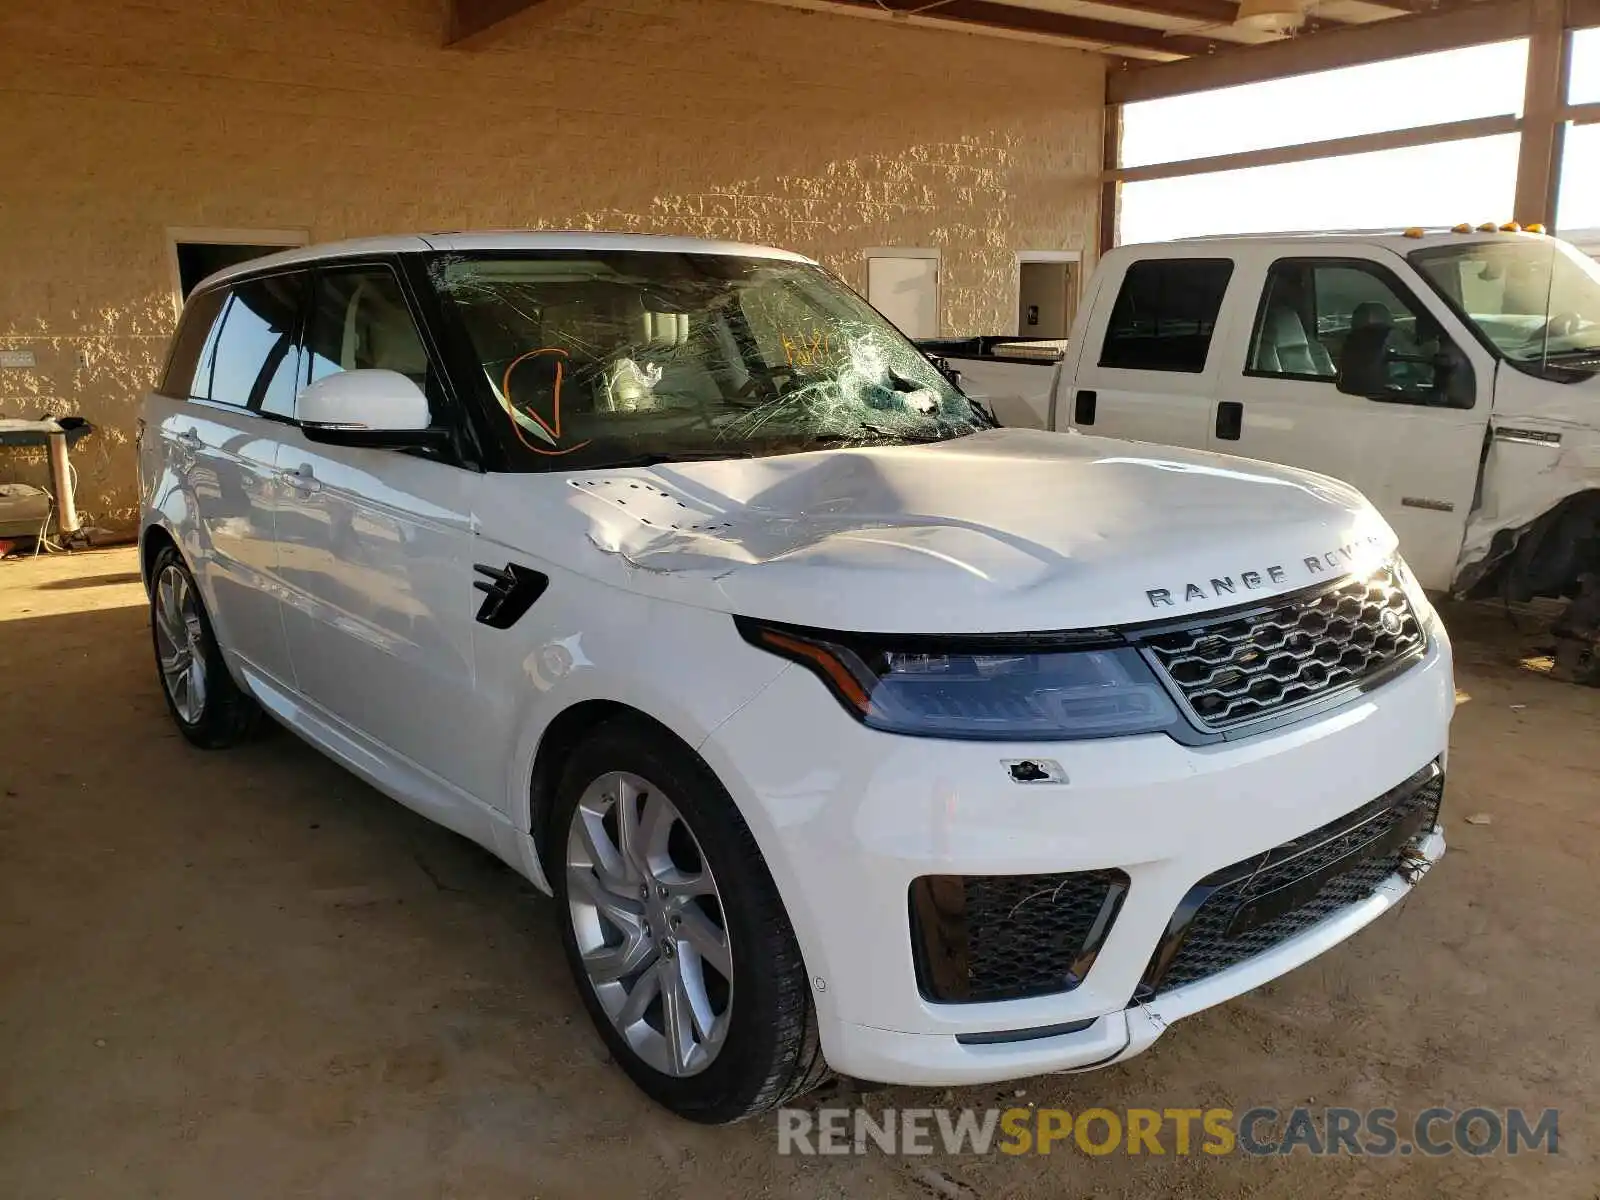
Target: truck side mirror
1364,362
1371,369
942,365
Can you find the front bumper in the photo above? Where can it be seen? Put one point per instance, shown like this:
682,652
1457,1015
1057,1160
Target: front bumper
848,817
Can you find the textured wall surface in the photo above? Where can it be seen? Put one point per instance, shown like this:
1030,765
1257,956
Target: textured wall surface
722,118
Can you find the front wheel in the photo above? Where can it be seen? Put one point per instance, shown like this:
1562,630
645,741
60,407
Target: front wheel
675,932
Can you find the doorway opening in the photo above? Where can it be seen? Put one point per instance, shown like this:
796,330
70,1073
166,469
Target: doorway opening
197,253
1047,293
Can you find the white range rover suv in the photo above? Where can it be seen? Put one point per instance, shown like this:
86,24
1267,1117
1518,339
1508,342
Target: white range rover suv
849,731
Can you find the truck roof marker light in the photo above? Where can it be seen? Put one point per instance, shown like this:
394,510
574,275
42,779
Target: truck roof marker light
1488,227
1511,227
1413,232
1464,227
1536,227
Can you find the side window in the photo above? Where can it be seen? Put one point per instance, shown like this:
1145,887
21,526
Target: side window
253,357
184,379
1319,315
359,321
1165,314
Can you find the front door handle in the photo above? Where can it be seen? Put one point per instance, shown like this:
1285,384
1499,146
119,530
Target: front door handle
301,478
1230,420
1083,405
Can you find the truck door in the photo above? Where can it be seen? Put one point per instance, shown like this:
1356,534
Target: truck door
1147,366
1411,442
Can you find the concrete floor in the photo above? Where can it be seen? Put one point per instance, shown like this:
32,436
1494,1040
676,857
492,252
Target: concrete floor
246,974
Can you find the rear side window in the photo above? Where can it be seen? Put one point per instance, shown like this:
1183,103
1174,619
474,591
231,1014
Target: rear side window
194,334
1165,314
254,357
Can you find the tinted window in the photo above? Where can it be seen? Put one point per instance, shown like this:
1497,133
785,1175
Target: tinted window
1165,314
359,321
194,333
253,356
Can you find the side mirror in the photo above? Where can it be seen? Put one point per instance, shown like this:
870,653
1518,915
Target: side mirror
1370,369
372,408
1364,363
942,365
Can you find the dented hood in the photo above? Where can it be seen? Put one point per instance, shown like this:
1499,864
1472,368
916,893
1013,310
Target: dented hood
1001,531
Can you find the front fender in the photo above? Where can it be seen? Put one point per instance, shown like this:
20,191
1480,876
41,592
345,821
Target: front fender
686,668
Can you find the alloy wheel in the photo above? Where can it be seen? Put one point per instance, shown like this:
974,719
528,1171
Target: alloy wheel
649,924
180,644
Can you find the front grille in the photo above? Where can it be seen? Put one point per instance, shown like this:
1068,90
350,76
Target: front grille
1253,664
1006,937
1250,907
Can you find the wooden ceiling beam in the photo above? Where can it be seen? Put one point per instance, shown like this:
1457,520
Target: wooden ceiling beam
470,23
1216,12
1347,46
1012,18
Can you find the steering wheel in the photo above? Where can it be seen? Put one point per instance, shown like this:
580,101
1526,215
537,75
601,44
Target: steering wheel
763,375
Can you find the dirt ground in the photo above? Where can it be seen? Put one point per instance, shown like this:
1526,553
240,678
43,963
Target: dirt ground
246,974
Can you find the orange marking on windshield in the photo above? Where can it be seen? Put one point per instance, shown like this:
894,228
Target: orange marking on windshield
808,348
552,427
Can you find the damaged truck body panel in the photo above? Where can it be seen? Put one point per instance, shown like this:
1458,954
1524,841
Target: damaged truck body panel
1453,377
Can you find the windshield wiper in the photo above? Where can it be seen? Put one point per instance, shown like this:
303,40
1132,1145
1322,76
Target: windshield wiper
1570,352
653,460
871,435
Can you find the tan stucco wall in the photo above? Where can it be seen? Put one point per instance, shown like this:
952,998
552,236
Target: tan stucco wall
724,118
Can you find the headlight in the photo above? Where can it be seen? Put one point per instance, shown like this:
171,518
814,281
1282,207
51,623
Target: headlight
1002,689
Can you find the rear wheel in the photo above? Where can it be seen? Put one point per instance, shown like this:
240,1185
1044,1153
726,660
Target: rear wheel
210,709
674,930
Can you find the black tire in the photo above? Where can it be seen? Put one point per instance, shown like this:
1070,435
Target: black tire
227,715
772,1053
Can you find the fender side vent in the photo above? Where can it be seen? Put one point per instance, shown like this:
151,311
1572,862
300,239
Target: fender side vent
508,593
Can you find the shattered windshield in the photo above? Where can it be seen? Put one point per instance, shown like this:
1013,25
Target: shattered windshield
597,358
1536,301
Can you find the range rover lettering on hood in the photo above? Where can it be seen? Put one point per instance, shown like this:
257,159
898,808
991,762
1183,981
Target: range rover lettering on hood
1341,560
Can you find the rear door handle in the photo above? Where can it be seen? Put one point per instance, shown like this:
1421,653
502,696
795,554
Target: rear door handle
1083,406
1230,420
301,478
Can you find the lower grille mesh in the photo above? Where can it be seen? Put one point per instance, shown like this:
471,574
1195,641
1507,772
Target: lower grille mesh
1007,937
1339,864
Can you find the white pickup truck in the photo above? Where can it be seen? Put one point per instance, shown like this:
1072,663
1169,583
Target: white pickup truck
1450,375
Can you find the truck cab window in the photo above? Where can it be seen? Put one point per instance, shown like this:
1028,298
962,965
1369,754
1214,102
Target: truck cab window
1165,314
1316,313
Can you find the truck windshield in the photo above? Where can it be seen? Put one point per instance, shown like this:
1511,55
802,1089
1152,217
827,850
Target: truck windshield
597,358
1536,301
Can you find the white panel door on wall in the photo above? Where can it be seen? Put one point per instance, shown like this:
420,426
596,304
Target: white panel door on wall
905,288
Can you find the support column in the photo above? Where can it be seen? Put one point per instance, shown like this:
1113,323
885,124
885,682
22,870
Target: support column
1544,95
1111,189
